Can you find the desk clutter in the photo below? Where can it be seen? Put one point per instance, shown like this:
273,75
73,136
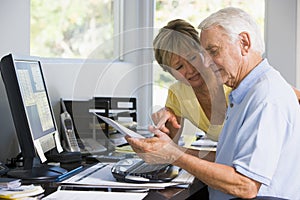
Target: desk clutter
94,181
99,176
101,173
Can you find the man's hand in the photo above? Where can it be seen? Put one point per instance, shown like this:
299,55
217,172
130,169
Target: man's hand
161,117
159,149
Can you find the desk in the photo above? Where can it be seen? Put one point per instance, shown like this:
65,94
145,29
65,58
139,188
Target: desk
163,194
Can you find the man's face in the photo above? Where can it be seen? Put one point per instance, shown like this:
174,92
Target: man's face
225,54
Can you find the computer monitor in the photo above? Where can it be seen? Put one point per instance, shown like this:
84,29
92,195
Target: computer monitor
32,115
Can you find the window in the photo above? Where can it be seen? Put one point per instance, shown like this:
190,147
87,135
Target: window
194,11
72,29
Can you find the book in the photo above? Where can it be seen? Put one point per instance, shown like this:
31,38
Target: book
9,183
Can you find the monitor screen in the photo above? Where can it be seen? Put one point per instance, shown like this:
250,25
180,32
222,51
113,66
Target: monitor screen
30,107
34,98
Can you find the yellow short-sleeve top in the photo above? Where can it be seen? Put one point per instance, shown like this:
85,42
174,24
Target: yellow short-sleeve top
182,100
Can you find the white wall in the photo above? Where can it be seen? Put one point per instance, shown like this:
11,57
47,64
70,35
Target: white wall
14,37
281,37
83,81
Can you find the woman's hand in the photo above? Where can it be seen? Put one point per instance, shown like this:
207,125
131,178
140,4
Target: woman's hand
164,115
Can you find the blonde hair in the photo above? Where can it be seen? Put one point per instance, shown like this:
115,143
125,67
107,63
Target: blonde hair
177,37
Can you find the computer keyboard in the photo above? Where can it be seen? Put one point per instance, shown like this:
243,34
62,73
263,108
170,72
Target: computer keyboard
142,167
136,170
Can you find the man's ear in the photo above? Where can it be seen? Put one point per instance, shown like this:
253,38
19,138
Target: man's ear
245,41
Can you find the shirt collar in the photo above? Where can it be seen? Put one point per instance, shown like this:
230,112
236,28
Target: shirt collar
238,94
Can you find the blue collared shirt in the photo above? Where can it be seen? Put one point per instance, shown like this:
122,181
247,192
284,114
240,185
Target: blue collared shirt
261,133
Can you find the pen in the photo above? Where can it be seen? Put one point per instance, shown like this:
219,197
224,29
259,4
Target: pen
152,122
14,189
92,172
68,174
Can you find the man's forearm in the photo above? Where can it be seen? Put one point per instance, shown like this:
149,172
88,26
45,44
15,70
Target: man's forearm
205,155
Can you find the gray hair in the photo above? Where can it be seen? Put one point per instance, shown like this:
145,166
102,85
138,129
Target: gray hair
234,21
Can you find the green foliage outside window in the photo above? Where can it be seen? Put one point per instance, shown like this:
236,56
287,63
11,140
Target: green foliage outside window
71,28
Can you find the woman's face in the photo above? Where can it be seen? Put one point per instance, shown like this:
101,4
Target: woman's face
188,68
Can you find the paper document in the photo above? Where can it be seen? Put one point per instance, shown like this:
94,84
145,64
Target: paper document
100,176
83,195
122,129
184,178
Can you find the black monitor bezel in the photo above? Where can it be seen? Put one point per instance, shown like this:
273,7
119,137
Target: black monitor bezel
18,110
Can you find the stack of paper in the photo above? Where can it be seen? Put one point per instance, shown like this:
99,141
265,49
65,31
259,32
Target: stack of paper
205,144
24,191
184,178
9,183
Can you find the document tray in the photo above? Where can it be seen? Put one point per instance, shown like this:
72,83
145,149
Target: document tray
136,170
